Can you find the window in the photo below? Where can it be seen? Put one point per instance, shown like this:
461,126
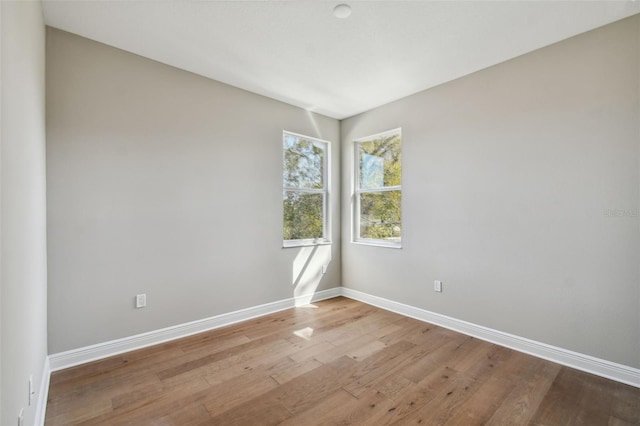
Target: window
378,189
305,190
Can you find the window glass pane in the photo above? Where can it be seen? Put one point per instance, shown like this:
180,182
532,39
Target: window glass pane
303,163
380,162
380,215
302,215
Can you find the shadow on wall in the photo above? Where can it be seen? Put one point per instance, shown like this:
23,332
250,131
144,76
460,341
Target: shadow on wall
308,269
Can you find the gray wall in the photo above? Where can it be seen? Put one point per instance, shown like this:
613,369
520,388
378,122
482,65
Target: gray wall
23,263
166,183
509,175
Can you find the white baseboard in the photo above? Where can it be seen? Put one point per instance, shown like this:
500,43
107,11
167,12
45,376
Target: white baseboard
98,351
610,370
43,394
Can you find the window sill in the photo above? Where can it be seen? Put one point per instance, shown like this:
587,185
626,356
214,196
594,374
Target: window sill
378,243
305,243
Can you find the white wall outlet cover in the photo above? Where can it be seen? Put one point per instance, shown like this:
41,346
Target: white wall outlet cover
437,286
141,300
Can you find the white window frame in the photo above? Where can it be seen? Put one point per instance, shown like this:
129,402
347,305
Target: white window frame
326,192
358,191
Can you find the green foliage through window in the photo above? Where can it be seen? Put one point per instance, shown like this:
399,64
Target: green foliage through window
302,216
380,215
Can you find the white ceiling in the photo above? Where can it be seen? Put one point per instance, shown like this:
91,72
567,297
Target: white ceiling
299,53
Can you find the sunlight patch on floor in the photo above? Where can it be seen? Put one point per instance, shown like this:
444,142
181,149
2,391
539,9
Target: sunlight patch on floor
307,306
305,333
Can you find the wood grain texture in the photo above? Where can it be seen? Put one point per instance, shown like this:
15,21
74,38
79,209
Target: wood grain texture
336,362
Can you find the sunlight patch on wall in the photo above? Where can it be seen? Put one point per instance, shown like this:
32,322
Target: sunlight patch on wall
307,271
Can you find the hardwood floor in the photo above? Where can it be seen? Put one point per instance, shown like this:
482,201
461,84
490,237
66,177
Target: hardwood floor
335,362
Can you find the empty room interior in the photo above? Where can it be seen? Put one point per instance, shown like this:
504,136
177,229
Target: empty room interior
318,212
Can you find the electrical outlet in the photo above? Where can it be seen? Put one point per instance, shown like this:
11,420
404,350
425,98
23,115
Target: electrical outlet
324,268
141,300
437,286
